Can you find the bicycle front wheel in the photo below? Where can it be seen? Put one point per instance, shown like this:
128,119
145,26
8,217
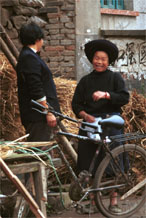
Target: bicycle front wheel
121,180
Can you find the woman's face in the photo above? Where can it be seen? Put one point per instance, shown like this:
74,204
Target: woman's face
100,61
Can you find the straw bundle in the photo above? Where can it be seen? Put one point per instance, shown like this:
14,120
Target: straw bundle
5,151
11,127
134,113
65,90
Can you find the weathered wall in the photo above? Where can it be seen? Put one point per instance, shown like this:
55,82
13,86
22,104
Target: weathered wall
57,20
132,57
132,62
88,23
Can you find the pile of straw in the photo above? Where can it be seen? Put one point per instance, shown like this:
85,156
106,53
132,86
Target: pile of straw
11,127
65,90
134,113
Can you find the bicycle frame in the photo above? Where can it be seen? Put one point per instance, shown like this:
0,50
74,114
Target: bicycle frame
116,122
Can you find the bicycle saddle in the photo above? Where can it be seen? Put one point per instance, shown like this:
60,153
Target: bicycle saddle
113,121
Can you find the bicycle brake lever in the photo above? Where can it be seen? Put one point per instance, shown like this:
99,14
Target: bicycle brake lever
42,112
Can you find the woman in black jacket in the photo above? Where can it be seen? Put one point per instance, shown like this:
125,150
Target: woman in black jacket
98,94
35,82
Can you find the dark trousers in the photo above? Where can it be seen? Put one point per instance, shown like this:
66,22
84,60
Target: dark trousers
38,132
87,150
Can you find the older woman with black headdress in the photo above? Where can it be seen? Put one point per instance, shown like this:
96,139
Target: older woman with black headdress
98,94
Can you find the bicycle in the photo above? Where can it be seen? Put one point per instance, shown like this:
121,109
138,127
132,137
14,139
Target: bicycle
128,181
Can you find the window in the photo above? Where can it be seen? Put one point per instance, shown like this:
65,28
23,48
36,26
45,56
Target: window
114,4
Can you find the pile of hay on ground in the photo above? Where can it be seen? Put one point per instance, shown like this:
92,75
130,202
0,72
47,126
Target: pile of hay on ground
11,127
134,113
65,90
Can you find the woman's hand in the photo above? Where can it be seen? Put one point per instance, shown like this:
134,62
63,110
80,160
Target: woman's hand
99,94
87,117
51,120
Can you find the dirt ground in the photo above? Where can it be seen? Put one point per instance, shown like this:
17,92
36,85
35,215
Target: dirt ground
71,213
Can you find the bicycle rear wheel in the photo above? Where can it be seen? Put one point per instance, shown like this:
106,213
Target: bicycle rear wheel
116,178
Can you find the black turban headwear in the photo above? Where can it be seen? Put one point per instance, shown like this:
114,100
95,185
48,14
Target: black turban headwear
101,45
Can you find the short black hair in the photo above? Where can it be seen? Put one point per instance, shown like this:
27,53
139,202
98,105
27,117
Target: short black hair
30,33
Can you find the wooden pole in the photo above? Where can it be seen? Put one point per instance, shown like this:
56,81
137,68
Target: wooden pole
8,54
33,205
9,42
68,147
65,141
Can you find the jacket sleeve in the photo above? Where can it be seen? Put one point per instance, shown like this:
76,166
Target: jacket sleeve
120,95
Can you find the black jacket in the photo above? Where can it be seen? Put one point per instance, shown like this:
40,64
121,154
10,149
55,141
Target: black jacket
107,81
34,80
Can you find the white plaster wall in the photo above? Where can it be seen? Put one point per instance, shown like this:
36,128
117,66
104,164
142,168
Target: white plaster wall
141,22
114,22
132,57
139,5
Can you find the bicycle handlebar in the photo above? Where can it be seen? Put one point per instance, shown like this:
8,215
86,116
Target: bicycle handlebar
50,109
113,121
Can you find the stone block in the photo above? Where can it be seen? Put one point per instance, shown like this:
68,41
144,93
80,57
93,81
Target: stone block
9,3
57,36
66,42
68,8
54,48
69,31
26,11
53,32
53,20
5,14
54,3
52,26
47,10
64,19
70,25
32,3
54,42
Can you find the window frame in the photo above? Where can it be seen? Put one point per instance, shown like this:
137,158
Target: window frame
112,4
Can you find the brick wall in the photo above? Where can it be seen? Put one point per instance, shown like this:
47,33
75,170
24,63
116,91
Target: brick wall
57,18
